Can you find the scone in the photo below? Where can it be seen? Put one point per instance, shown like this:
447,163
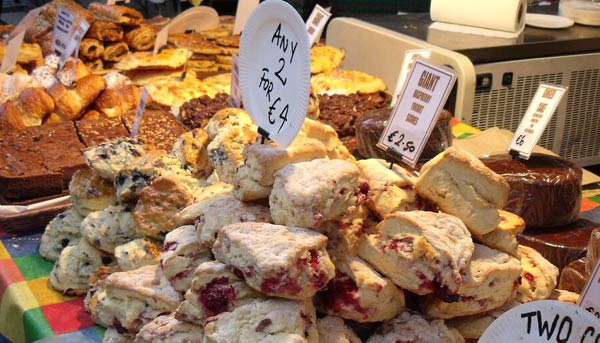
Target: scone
539,276
131,179
344,234
461,185
306,194
265,321
564,296
412,328
333,330
109,157
62,231
227,118
75,265
137,253
390,190
422,252
359,293
111,335
222,211
181,254
215,289
190,150
110,227
225,151
165,329
202,198
472,327
511,222
254,179
129,300
504,237
158,203
89,192
336,150
490,280
276,260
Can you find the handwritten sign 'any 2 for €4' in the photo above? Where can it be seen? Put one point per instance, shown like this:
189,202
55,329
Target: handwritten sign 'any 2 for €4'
274,65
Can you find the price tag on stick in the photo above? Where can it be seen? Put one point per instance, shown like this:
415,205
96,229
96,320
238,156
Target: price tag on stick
538,115
9,61
73,46
590,297
407,63
275,70
139,113
26,22
236,100
421,100
316,23
63,26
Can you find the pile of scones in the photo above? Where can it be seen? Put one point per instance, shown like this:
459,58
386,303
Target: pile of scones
230,239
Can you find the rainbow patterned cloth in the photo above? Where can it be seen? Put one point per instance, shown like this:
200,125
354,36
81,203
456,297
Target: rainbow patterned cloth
30,310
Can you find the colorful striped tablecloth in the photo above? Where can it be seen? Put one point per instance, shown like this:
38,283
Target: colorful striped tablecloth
30,310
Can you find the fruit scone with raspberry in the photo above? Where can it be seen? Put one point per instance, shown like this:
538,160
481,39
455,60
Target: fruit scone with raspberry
489,281
504,237
359,293
276,260
165,328
109,157
539,276
129,300
412,328
422,252
332,329
181,255
270,320
254,179
306,194
215,289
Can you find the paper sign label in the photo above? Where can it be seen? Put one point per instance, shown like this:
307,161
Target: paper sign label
114,2
244,8
73,45
538,115
63,26
26,22
236,100
139,112
275,70
9,61
544,321
421,101
407,63
194,19
590,297
161,39
316,23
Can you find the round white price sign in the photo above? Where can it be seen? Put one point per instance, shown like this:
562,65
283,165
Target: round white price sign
544,321
275,70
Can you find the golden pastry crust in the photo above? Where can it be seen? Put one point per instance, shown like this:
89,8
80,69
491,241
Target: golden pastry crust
141,38
79,11
28,109
116,102
90,49
324,58
70,103
89,192
165,59
95,65
218,32
105,31
115,52
195,43
28,53
116,14
344,81
229,41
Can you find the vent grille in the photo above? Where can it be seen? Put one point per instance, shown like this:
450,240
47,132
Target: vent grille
581,135
505,107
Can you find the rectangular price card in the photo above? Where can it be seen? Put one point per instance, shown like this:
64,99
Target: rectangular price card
538,115
139,112
236,97
590,297
63,26
73,45
244,8
407,63
9,61
421,100
26,22
161,39
316,23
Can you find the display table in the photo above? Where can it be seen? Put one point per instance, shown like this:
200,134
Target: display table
30,310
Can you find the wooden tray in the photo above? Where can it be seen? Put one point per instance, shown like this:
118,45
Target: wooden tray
32,219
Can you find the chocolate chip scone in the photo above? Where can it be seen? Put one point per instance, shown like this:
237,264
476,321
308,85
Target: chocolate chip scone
129,300
166,328
137,253
422,252
61,232
109,228
222,211
227,118
276,260
89,192
489,281
190,150
539,276
333,330
359,293
461,185
306,194
412,328
74,267
225,151
181,254
109,157
265,320
215,289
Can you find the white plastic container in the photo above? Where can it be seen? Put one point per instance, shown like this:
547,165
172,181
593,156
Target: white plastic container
585,12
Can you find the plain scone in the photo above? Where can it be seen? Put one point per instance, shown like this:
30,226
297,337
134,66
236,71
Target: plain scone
412,328
166,328
461,185
306,194
276,260
333,330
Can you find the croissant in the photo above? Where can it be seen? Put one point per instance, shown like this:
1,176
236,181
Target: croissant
95,65
28,53
28,109
116,102
73,71
115,51
105,31
116,14
142,37
52,118
70,103
90,49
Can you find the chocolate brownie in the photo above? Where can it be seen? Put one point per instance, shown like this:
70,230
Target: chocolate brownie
94,132
159,129
196,112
